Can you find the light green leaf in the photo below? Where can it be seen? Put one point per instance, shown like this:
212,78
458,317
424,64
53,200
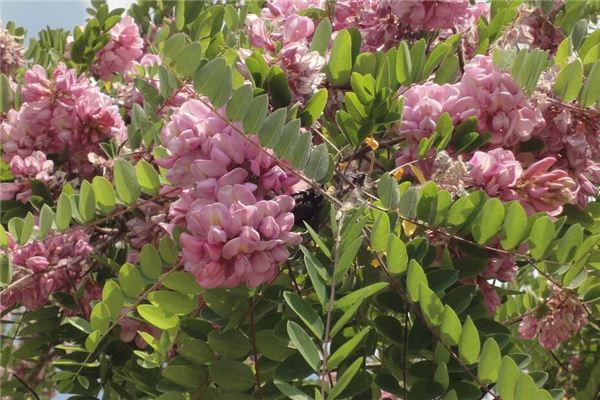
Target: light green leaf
515,226
415,277
339,67
301,151
271,130
318,241
441,375
317,167
128,188
214,81
569,80
104,194
100,317
347,259
460,211
469,344
590,93
113,298
360,294
507,378
451,330
388,192
92,341
46,219
306,313
525,388
63,212
130,280
380,234
345,350
321,37
403,64
344,380
168,250
150,261
489,362
488,221
317,274
172,302
157,316
188,59
431,305
292,392
6,96
397,257
147,177
304,344
315,106
256,115
238,106
540,237
87,202
183,282
180,15
569,243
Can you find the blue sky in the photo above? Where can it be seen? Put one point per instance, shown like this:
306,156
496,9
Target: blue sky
35,15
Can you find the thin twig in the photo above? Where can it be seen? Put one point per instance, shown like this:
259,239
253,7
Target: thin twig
29,388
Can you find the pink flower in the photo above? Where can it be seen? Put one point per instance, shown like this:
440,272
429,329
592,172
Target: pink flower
123,48
430,15
491,299
546,190
497,101
502,267
528,328
496,171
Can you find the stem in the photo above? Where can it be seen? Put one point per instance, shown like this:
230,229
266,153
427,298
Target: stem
29,388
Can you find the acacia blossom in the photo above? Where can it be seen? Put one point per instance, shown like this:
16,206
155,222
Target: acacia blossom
491,299
24,170
496,171
497,101
430,15
563,317
124,47
11,52
63,114
231,199
46,266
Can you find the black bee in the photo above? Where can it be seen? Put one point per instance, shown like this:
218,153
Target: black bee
308,207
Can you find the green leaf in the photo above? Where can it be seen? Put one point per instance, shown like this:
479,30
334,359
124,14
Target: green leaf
403,64
515,226
183,282
306,313
431,305
188,59
525,388
256,115
489,362
214,81
239,105
168,250
126,182
272,346
347,258
469,344
315,106
540,237
147,177
292,392
339,67
317,274
130,280
415,277
157,316
150,261
569,80
63,212
317,167
507,378
304,344
346,317
360,294
590,93
434,59
183,375
441,375
460,211
195,351
6,96
380,234
396,256
100,317
278,87
46,219
451,329
344,380
87,202
93,340
318,241
79,323
180,15
568,244
231,344
388,192
231,375
104,194
172,302
271,130
488,221
113,298
345,350
321,37
425,390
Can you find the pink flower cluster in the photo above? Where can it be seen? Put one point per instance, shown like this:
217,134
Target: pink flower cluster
24,170
124,47
484,92
43,267
430,15
564,317
231,200
61,115
537,188
280,22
